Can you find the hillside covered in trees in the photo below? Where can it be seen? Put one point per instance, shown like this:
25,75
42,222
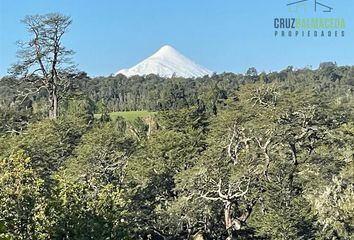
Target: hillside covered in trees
227,156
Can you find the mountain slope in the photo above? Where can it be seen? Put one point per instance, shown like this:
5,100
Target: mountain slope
167,62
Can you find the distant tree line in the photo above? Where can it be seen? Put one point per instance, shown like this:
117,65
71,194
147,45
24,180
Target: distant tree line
153,93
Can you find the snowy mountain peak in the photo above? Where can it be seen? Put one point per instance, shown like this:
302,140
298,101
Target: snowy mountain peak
167,62
166,51
167,48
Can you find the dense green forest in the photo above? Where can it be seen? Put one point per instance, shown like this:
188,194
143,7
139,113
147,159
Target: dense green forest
227,156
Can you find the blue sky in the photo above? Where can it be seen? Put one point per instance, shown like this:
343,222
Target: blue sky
222,35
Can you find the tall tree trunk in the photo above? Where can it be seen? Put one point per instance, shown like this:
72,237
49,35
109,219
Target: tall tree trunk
53,104
231,234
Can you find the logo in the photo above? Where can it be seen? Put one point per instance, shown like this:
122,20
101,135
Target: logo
301,23
295,6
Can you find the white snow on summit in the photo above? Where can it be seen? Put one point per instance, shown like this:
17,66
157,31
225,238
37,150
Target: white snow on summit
167,62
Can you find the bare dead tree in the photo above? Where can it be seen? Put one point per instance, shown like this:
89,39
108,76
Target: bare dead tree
263,145
44,63
233,191
236,140
265,96
230,194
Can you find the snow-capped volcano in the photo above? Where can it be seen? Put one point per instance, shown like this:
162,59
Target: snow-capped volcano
167,62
